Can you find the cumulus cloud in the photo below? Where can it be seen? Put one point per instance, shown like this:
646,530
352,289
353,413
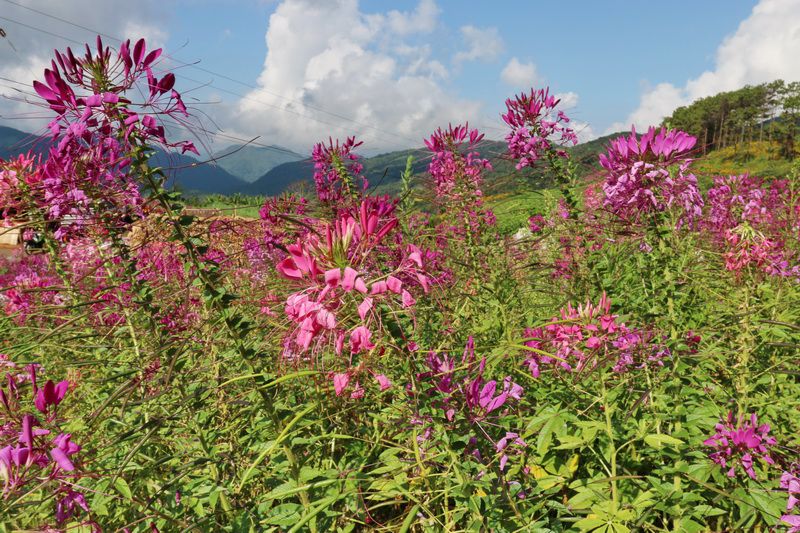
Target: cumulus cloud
423,19
568,102
764,47
350,74
519,75
483,44
25,52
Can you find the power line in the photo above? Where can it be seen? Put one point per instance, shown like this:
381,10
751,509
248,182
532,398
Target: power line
208,71
337,126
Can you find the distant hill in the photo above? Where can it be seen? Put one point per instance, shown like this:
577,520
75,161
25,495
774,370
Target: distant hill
232,173
248,162
14,142
760,158
383,171
191,176
185,172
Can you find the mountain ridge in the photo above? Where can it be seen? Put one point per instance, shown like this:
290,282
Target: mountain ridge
225,173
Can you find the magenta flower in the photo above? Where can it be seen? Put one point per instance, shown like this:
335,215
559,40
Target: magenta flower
740,444
50,395
510,440
640,181
360,339
340,382
588,336
791,482
793,521
68,504
456,167
337,173
536,128
383,382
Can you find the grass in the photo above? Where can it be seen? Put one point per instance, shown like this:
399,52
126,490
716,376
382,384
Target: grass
759,158
513,209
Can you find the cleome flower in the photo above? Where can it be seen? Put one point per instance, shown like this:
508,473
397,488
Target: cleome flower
651,174
341,288
740,444
589,336
536,127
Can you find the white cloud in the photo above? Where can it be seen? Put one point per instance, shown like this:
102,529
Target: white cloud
351,64
765,47
483,44
583,130
154,36
422,20
519,75
568,100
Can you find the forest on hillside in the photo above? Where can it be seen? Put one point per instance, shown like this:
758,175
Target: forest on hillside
768,111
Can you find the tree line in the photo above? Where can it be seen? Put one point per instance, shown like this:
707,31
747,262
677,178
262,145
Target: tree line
769,111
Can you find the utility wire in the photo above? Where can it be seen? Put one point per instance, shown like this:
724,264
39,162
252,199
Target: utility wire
244,97
220,75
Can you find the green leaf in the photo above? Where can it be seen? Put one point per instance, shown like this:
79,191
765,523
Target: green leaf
122,487
659,441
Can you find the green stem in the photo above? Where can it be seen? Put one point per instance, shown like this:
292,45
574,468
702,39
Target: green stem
612,450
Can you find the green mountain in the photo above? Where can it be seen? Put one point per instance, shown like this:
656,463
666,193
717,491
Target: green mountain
234,170
383,171
248,162
13,142
183,171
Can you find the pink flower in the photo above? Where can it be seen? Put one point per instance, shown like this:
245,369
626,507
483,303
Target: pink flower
408,300
340,382
793,521
587,336
511,439
360,339
379,287
740,443
383,381
639,179
68,503
394,284
791,482
50,395
535,127
337,173
456,175
358,392
364,308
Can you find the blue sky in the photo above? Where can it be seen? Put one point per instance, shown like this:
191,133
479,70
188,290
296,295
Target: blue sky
394,70
606,51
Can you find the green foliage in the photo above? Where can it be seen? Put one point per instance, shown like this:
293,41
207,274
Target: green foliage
769,111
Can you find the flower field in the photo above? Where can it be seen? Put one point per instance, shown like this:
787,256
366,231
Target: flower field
352,361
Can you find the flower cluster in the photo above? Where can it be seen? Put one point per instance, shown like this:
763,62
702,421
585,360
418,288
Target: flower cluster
337,172
535,127
85,184
460,392
753,221
651,174
456,166
588,336
29,285
339,281
33,453
745,247
790,481
739,443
